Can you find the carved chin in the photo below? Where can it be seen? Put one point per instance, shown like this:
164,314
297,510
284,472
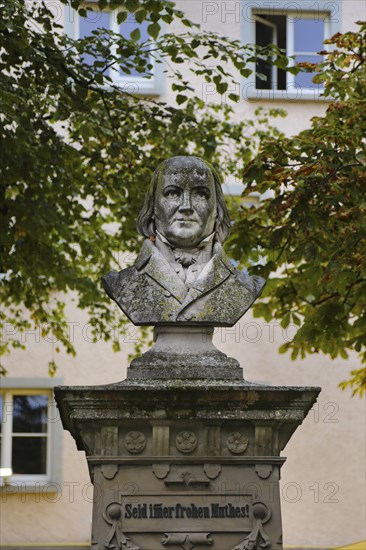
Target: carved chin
187,231
186,235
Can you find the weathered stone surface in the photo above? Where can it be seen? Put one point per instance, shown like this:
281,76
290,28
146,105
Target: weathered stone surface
215,365
185,353
185,464
182,275
151,292
184,453
282,408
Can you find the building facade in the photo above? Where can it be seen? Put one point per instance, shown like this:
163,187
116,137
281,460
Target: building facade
47,500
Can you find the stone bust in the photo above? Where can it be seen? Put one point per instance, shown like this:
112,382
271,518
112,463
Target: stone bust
181,275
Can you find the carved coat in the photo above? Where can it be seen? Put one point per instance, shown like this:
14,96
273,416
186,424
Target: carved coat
151,293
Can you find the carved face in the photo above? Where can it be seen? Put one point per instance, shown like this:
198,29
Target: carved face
185,202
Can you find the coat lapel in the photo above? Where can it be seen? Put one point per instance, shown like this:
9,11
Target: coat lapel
215,272
153,263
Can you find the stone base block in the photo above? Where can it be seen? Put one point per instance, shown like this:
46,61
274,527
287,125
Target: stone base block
184,466
213,365
184,354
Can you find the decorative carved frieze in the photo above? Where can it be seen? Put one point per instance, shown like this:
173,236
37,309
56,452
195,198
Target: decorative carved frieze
153,494
160,470
212,440
237,442
187,541
186,442
257,538
212,470
187,477
161,440
135,442
116,538
263,470
109,440
263,440
109,470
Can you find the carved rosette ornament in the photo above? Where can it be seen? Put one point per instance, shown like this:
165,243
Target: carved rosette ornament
237,442
135,442
186,442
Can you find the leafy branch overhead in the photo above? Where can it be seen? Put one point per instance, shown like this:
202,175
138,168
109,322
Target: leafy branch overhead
310,231
79,151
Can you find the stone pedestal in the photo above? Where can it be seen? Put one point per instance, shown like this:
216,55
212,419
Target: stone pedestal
184,353
185,465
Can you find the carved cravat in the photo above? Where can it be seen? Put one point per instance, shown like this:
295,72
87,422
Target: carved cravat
187,258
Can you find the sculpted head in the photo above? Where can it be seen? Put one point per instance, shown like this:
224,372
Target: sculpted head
184,203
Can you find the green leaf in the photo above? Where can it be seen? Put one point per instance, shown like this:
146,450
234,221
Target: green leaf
285,321
180,98
281,62
52,368
121,16
283,348
245,73
153,29
140,15
132,5
136,35
222,87
300,223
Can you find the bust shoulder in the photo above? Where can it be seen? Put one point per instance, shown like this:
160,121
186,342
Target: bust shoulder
113,280
253,282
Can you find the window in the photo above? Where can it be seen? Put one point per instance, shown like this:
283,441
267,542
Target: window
81,27
30,426
297,28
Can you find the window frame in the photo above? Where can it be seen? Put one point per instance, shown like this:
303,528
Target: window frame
137,85
28,482
330,10
257,17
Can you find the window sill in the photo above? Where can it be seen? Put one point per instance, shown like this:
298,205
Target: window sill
285,95
35,486
137,86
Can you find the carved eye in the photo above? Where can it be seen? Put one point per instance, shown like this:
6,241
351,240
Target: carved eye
202,193
172,193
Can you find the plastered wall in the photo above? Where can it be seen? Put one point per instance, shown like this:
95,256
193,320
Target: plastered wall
323,481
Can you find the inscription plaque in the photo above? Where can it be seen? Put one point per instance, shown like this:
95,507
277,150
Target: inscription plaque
150,512
169,516
230,512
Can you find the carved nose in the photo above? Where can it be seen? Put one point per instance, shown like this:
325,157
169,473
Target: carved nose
185,205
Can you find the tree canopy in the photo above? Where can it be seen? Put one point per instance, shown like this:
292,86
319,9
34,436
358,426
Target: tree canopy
79,151
310,231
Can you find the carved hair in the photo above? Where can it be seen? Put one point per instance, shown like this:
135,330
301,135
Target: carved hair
145,219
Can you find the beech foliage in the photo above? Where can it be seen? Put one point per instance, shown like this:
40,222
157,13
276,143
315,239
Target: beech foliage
78,152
